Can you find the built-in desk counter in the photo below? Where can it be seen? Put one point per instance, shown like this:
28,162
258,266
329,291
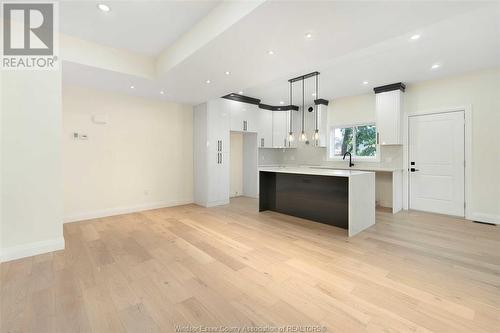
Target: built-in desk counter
342,198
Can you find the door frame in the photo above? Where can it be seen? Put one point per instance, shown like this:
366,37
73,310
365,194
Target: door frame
467,153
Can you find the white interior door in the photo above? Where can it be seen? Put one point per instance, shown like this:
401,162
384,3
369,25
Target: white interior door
437,162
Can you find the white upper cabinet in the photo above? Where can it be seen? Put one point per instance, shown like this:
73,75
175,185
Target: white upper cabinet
218,125
388,106
322,126
280,128
265,131
244,116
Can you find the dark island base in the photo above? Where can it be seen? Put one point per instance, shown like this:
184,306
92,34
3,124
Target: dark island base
322,199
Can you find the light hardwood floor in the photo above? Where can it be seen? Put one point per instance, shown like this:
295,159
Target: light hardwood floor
231,266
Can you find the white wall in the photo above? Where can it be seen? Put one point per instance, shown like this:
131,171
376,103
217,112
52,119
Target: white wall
141,159
236,164
31,190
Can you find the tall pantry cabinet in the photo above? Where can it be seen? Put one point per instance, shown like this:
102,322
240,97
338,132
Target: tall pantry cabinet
211,153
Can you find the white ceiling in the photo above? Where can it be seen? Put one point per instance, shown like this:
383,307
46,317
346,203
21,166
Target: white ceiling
351,42
140,26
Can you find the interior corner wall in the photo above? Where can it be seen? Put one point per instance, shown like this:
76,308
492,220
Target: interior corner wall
137,156
31,187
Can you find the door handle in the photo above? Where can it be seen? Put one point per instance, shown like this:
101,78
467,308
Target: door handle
413,170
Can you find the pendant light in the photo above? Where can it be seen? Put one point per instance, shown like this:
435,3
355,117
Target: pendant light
290,133
316,131
303,136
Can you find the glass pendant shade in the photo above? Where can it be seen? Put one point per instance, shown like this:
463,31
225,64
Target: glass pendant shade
316,134
303,136
290,137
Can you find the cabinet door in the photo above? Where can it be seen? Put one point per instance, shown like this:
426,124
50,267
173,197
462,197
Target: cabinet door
280,128
223,179
218,179
251,117
235,115
213,177
322,125
265,131
218,125
388,110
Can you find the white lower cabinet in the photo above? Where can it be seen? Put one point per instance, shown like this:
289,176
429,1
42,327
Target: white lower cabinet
211,153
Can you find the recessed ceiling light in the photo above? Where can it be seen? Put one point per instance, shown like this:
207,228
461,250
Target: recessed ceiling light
415,37
365,82
162,92
227,72
207,81
309,35
435,66
132,87
270,52
103,7
282,102
241,93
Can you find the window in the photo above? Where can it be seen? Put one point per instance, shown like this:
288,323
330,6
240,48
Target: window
359,140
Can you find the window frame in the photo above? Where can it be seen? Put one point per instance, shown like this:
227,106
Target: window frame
331,132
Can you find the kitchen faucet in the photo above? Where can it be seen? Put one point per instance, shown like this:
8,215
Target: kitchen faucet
350,159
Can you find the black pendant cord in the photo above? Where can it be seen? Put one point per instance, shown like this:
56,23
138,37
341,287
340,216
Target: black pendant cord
291,110
316,106
303,104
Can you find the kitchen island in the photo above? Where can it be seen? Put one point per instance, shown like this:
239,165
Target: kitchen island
342,198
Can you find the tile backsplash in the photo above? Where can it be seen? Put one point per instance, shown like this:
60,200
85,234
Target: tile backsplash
390,157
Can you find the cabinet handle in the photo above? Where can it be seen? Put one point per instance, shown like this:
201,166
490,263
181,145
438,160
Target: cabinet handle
262,142
377,138
244,125
284,142
220,145
220,154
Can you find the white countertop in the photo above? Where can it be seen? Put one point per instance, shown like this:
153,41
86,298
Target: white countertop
314,171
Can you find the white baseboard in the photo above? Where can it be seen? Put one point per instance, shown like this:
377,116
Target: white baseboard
32,249
487,218
123,210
